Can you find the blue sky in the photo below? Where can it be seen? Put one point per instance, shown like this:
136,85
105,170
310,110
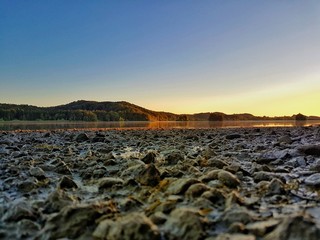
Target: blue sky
261,57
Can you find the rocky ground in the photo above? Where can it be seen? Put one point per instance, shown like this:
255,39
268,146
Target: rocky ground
238,184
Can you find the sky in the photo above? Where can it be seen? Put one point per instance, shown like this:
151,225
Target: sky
259,57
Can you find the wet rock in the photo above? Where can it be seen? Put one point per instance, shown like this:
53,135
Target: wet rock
261,228
261,176
27,185
216,196
180,186
184,223
18,212
295,227
233,136
132,226
236,236
313,180
233,215
212,175
313,150
82,137
62,168
217,163
173,157
276,187
27,229
196,190
228,179
71,222
66,182
150,157
37,172
150,176
57,200
108,182
285,139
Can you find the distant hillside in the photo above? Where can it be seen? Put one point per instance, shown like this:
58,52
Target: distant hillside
84,111
116,111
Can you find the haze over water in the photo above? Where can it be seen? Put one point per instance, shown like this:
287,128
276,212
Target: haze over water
54,125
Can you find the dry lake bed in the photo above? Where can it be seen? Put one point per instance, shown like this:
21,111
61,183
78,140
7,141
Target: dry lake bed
228,183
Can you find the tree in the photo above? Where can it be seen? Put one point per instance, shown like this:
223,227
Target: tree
300,117
216,117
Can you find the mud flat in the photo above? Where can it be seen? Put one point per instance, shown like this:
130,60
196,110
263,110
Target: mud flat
246,184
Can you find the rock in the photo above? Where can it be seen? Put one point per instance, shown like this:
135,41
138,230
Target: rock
150,176
37,173
261,228
27,229
173,157
237,236
295,227
62,168
57,200
27,185
132,226
228,179
71,222
233,136
66,182
150,157
313,180
285,139
108,182
313,150
233,215
261,176
18,212
217,163
180,186
276,187
184,223
196,190
212,175
216,196
82,137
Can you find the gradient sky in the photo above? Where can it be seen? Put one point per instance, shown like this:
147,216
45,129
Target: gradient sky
261,57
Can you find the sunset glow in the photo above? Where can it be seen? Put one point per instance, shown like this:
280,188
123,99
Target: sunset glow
258,57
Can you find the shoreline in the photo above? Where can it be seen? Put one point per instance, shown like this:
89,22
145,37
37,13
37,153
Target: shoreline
214,183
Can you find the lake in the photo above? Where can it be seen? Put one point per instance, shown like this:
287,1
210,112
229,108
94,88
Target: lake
54,125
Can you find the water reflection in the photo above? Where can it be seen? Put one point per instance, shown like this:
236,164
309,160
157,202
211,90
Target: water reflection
51,125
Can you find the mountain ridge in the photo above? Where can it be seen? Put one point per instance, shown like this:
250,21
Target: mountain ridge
84,110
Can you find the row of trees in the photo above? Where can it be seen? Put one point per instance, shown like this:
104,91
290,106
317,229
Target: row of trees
71,115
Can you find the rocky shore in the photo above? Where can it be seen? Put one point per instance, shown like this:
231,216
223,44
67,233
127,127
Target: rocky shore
235,184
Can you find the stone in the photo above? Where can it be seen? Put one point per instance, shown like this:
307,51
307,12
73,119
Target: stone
217,163
108,182
184,224
275,187
233,215
228,179
196,190
285,139
180,186
150,176
173,157
82,137
313,150
57,200
261,176
71,222
212,175
132,226
66,182
295,227
233,136
237,236
37,172
150,157
313,180
262,227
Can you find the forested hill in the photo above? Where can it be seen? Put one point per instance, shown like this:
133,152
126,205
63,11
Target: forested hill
117,111
84,111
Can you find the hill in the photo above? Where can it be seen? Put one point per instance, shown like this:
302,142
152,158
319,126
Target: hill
116,111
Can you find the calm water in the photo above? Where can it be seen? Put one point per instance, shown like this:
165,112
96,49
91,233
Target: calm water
51,125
